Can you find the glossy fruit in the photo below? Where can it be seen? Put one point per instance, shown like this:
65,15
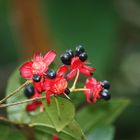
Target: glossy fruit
105,84
51,74
67,91
105,94
83,56
36,77
66,58
29,91
79,49
70,52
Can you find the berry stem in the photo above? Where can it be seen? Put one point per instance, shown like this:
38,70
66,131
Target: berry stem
22,102
75,81
80,89
15,91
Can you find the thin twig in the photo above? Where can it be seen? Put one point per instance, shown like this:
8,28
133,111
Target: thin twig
15,91
75,81
76,78
22,102
80,89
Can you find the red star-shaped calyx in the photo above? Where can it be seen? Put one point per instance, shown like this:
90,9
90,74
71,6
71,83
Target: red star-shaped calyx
95,88
78,65
56,85
36,69
39,65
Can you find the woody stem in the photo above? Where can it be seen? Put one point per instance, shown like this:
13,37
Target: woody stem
15,91
2,118
22,102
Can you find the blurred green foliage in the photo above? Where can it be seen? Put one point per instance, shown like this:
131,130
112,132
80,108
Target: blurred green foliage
93,24
9,52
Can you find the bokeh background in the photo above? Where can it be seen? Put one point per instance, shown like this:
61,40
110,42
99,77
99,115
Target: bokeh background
108,29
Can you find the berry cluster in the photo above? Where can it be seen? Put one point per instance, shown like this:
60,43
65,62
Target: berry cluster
55,83
98,90
66,58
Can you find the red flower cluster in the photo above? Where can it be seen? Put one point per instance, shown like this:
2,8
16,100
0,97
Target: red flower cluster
56,83
35,70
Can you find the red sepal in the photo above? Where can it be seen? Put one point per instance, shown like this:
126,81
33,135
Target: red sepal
26,70
77,64
94,90
38,86
39,65
33,106
71,74
56,85
49,57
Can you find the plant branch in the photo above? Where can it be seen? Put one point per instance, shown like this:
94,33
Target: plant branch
4,119
16,91
22,102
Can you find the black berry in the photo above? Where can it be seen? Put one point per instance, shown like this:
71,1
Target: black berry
51,74
105,94
105,84
67,91
29,91
36,77
70,52
66,58
79,49
83,56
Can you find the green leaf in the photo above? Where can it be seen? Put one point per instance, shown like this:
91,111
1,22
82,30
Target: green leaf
102,133
100,113
7,132
58,114
60,111
71,132
16,113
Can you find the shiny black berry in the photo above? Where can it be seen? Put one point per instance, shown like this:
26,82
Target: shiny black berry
83,56
67,91
51,74
105,94
105,84
29,91
79,49
70,52
36,77
66,58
